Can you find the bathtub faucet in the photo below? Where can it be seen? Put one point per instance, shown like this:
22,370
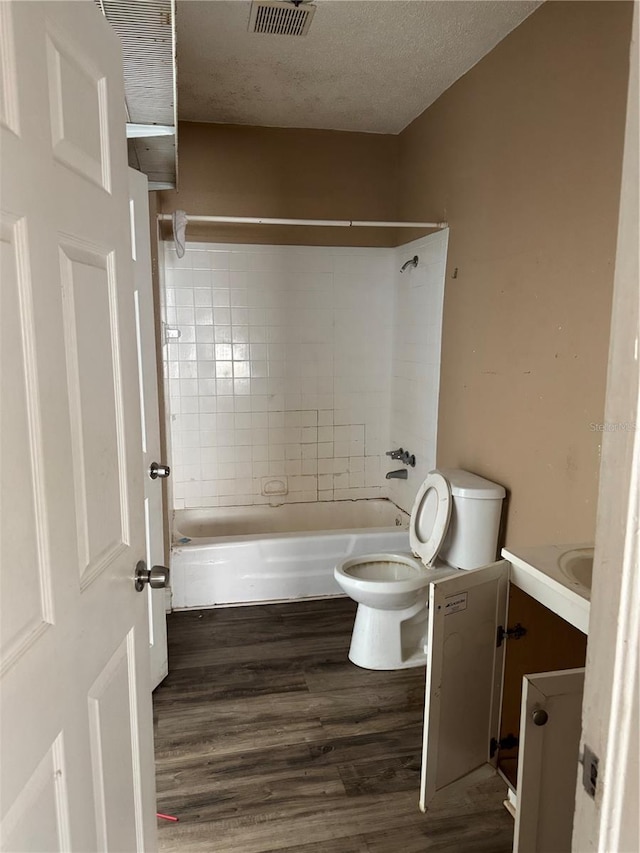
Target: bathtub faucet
395,454
401,474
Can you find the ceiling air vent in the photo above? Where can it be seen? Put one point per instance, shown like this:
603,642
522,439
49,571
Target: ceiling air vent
280,18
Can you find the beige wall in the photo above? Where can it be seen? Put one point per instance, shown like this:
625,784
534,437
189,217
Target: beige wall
285,173
523,157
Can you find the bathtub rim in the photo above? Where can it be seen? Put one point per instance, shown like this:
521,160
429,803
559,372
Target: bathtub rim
208,541
177,534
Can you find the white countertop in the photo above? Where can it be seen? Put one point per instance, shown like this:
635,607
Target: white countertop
536,571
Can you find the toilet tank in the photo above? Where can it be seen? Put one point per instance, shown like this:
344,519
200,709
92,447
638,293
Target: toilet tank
472,538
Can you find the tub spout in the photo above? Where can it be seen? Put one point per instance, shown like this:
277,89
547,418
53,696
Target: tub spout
400,474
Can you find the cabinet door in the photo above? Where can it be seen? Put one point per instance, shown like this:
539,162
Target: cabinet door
464,676
548,763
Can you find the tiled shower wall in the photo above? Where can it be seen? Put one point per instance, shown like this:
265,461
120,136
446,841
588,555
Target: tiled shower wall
281,377
415,384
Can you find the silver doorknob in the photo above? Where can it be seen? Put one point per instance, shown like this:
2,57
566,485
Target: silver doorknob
157,577
539,717
156,471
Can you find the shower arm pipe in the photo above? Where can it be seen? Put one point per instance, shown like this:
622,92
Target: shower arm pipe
332,223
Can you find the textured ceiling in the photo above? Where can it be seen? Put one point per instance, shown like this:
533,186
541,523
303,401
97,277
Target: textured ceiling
366,65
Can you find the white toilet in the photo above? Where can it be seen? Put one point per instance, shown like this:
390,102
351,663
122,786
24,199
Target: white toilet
456,519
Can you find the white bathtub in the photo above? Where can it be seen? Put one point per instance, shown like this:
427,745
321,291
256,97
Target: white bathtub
242,555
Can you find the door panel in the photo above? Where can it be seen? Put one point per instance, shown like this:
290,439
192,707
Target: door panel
92,350
39,818
116,786
464,674
27,589
72,497
548,763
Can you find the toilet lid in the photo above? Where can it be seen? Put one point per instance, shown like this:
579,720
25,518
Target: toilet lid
430,517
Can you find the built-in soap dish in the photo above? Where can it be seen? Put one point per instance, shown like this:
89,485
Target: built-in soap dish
274,486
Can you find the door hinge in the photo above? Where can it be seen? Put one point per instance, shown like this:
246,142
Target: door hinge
514,633
590,763
507,742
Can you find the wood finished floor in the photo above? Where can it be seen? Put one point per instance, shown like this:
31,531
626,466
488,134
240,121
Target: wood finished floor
269,739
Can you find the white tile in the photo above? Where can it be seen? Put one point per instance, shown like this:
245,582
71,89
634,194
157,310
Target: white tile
220,299
220,279
239,334
204,334
342,448
201,278
182,279
310,466
208,404
218,260
341,481
185,316
241,369
202,296
259,402
325,466
242,403
222,334
341,465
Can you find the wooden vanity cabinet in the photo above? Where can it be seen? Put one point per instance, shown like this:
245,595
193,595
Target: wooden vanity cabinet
549,644
465,685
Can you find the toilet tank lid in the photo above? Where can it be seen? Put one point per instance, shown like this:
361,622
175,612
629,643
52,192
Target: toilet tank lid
464,484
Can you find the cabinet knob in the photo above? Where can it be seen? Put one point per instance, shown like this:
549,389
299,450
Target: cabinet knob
539,717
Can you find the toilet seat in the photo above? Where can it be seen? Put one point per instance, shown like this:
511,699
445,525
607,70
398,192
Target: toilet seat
430,517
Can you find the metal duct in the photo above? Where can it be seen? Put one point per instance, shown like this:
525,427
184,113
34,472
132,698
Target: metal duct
147,32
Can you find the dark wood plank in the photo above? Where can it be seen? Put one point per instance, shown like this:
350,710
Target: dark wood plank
268,739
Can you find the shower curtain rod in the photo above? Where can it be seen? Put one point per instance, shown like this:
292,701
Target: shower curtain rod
334,223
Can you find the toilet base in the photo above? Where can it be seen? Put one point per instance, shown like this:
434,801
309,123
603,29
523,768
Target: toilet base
389,639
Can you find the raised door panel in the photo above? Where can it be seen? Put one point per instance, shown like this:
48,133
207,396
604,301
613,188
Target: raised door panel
78,108
8,82
548,765
114,725
464,675
90,310
39,819
25,589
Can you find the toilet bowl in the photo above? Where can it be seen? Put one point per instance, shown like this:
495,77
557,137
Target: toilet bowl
455,513
391,591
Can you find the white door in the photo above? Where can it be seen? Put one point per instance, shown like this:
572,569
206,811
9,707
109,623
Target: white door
464,676
152,470
550,724
76,728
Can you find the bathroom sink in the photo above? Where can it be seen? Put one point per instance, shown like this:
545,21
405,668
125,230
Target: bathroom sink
577,565
558,576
